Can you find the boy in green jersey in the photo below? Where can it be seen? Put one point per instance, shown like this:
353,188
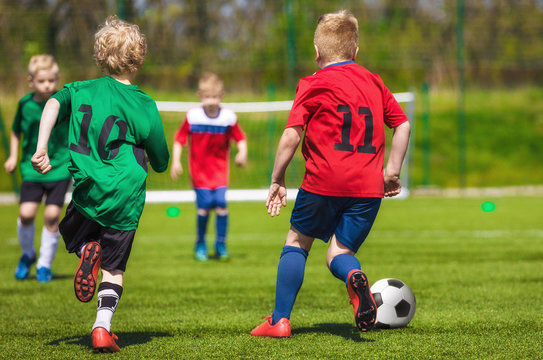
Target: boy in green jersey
114,129
43,77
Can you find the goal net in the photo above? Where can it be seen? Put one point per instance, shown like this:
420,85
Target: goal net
263,123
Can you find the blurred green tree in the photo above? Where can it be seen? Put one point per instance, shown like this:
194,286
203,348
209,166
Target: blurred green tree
407,42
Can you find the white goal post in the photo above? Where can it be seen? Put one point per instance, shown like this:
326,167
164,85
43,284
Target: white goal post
177,196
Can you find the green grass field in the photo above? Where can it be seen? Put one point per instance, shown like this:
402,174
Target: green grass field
477,277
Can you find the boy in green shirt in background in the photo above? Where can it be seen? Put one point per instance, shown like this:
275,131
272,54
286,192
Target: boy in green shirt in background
43,77
114,129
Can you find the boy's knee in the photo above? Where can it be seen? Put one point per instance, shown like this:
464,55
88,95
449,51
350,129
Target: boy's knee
335,249
297,239
203,212
27,213
51,218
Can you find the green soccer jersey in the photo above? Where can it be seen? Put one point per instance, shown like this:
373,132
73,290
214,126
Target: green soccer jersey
27,125
112,127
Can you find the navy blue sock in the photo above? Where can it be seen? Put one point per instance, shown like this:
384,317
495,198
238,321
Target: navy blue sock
290,276
221,224
342,264
202,228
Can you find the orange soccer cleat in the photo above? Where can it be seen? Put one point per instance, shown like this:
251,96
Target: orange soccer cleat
279,330
103,341
365,310
87,272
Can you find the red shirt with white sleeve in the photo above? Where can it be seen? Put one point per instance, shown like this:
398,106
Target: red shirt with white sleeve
343,109
209,145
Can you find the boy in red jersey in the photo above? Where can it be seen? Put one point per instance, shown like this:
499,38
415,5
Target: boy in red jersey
343,109
210,129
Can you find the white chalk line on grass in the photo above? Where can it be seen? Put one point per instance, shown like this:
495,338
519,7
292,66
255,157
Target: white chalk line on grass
183,196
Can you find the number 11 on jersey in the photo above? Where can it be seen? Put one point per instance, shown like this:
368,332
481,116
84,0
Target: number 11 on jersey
345,144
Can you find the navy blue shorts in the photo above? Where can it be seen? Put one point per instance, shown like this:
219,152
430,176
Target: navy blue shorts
55,191
210,199
349,218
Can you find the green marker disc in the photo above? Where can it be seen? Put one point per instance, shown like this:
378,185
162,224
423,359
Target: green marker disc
488,206
173,211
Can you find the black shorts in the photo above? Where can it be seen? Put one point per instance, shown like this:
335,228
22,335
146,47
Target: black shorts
55,191
76,229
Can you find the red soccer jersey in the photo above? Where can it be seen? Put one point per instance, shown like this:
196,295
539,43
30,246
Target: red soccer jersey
343,109
209,148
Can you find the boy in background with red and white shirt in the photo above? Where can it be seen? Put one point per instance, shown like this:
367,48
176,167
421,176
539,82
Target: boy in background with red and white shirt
343,109
209,130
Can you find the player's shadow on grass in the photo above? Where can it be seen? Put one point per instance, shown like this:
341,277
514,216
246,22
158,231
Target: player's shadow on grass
345,330
125,339
62,276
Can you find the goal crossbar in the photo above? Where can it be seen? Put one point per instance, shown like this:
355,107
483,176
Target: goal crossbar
263,106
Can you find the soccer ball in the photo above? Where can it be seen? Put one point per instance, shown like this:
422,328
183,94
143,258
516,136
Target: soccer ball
395,303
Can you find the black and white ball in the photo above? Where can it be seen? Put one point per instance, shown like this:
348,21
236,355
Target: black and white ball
395,302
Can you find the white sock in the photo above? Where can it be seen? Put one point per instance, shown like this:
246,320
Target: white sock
103,319
108,298
26,238
48,248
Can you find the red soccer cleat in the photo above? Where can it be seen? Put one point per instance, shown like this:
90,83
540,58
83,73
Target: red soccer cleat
365,310
103,341
87,272
279,330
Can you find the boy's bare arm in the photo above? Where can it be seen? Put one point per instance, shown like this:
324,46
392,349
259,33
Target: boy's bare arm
277,196
398,148
241,156
176,168
11,162
40,160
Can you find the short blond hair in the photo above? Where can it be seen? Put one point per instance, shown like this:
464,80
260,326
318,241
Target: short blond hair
336,36
119,47
42,62
210,82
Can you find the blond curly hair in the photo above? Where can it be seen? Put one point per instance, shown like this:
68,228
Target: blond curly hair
119,47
